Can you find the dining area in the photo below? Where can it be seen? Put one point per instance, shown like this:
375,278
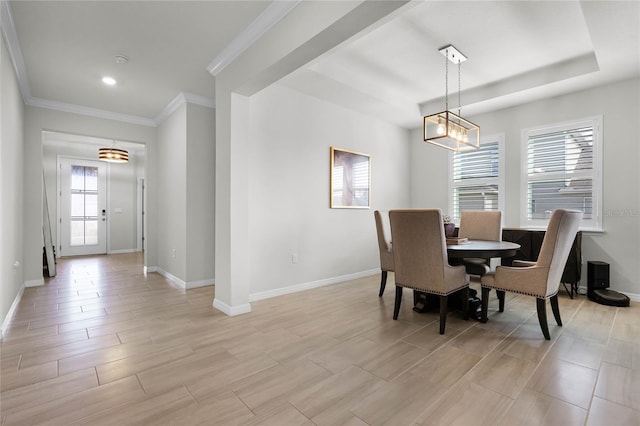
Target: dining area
414,245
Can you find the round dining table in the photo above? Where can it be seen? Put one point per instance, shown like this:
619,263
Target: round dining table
482,249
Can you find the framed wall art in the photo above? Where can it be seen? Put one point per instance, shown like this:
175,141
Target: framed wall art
350,179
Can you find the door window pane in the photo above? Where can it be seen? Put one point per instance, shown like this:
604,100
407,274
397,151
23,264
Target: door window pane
91,178
77,206
91,232
77,233
91,205
77,178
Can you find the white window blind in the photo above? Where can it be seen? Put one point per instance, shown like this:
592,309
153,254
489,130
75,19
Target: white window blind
563,171
476,177
361,182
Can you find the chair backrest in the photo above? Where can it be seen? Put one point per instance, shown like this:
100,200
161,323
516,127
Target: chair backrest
481,225
556,245
419,248
384,244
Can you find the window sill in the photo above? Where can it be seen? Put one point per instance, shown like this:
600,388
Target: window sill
585,230
592,230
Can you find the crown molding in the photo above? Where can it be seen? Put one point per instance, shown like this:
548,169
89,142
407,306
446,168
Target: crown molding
171,107
267,19
181,99
91,112
204,101
15,52
13,45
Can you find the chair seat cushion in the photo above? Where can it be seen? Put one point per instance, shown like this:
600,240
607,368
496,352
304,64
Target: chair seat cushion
523,263
516,284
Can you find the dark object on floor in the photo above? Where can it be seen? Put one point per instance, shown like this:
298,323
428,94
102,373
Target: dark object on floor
609,298
598,283
423,303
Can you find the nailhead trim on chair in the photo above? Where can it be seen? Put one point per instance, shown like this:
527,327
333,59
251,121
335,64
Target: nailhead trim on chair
432,291
521,292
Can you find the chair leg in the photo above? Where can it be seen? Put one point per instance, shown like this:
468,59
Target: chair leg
541,305
500,294
556,309
465,303
396,308
383,283
485,304
443,313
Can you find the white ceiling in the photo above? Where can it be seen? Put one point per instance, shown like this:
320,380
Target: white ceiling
518,51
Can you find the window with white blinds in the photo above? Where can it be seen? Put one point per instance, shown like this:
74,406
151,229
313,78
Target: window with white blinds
476,177
562,168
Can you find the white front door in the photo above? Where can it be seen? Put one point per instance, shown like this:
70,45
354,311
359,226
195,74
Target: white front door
83,207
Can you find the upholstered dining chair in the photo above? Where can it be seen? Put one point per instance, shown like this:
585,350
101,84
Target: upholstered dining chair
480,225
541,279
420,259
385,249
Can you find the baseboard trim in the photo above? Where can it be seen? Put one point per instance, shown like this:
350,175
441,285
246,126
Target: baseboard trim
187,285
148,269
34,283
309,285
633,296
12,311
254,297
231,310
177,281
200,283
123,251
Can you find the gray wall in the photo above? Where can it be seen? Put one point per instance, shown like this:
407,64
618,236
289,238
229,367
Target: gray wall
11,186
186,202
201,160
123,205
619,104
172,195
289,189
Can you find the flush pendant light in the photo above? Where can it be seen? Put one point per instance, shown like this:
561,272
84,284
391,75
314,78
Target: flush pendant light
447,129
113,155
109,81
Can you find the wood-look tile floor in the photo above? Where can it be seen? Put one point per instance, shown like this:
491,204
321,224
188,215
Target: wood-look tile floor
101,343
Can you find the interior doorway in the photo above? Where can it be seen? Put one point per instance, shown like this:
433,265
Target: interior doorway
120,215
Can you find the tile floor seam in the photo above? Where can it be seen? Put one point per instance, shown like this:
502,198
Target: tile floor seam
244,403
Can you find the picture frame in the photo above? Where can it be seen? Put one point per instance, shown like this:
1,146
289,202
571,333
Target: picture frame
350,179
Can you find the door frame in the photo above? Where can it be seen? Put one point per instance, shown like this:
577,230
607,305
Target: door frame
140,219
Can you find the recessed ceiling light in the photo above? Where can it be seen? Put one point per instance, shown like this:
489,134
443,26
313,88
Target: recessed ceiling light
109,81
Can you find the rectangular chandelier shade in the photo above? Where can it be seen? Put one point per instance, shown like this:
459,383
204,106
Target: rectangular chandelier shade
113,155
448,130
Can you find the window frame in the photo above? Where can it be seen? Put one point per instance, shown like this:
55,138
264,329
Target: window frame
500,180
595,223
